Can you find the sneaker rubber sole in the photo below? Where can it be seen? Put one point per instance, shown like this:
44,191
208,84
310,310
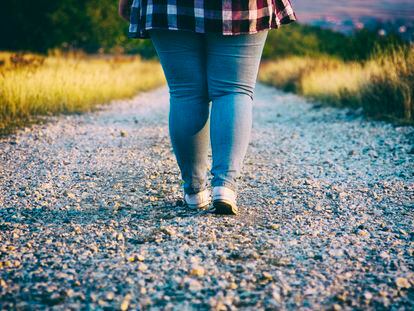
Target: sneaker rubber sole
198,206
224,207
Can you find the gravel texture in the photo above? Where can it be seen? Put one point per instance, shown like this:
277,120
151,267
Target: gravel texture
91,217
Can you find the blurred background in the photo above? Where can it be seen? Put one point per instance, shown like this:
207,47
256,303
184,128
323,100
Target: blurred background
70,55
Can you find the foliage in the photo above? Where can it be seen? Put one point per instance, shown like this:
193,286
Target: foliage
303,40
91,25
383,85
94,26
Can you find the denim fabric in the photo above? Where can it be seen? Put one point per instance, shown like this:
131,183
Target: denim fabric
209,68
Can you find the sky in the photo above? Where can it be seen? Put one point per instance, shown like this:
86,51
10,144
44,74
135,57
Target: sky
308,10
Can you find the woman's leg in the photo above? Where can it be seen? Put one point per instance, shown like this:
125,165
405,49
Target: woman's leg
232,67
182,57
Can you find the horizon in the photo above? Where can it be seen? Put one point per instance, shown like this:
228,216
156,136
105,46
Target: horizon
384,10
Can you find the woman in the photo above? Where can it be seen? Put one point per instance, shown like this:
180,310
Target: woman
210,51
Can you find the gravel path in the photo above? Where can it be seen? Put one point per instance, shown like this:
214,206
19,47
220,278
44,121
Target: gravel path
90,214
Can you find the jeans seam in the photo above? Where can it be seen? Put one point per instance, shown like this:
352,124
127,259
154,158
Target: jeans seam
227,184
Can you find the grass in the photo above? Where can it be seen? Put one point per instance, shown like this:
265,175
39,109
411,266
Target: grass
382,85
304,40
33,85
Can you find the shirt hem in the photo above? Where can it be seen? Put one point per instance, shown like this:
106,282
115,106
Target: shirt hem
143,33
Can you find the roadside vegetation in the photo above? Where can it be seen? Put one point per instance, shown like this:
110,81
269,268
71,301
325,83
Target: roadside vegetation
34,85
361,70
68,69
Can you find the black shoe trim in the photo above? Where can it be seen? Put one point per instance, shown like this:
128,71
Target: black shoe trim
224,208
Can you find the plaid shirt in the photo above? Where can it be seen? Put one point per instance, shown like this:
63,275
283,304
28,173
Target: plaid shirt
229,17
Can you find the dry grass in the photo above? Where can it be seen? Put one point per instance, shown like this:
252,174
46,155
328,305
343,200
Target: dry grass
383,86
32,85
287,72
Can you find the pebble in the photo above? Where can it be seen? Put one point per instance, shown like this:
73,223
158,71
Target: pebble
169,231
267,276
197,271
274,226
402,283
324,214
363,233
125,303
110,295
194,285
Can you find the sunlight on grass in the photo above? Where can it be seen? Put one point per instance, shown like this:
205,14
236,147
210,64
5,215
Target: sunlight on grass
35,85
333,84
383,85
293,69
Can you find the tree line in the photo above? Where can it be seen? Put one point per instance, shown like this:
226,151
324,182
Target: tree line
90,25
94,26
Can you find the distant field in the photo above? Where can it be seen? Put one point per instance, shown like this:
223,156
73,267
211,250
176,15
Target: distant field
33,85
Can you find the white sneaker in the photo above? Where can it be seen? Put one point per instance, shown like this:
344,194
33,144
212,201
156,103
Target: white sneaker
224,201
198,200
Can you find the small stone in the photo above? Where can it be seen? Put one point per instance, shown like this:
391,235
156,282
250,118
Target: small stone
3,284
274,226
169,231
194,285
197,271
336,307
318,208
336,253
384,255
102,303
117,206
363,233
110,296
402,283
70,195
123,133
267,276
233,285
276,295
125,302
70,293
142,267
403,232
368,295
21,194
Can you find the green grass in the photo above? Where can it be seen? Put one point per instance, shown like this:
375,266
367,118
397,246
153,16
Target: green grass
302,40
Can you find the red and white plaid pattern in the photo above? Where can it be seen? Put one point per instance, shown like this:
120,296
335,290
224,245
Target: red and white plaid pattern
229,17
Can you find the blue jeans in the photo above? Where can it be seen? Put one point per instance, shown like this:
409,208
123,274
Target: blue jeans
204,68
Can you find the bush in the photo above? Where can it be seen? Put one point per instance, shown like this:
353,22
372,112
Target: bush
382,85
390,92
302,40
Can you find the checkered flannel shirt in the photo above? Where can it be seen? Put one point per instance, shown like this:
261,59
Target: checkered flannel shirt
229,17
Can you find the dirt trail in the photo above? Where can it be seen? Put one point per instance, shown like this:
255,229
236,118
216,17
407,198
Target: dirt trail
89,215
